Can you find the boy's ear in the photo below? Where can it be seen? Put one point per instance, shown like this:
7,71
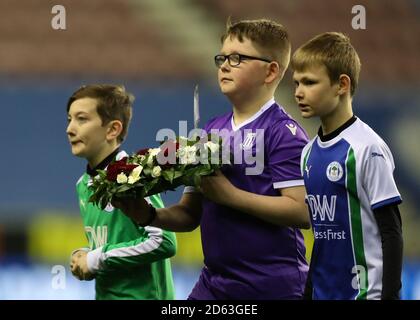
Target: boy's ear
344,84
114,129
273,72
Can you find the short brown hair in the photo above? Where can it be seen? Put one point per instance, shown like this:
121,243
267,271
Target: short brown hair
335,52
268,35
113,103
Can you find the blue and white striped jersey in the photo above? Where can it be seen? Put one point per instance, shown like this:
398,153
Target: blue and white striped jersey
346,178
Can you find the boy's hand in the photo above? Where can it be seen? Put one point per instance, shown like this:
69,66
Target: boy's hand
78,266
74,263
217,188
136,209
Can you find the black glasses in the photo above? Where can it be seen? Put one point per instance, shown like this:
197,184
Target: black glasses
235,59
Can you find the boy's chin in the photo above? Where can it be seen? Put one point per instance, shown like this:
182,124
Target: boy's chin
307,115
77,153
229,93
224,90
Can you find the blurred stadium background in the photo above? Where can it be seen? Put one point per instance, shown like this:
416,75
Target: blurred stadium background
159,49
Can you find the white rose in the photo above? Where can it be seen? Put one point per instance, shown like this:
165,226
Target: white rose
132,180
191,158
156,171
136,172
135,175
154,152
122,178
187,155
150,161
192,149
183,141
214,147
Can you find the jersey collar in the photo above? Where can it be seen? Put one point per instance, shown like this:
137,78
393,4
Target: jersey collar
337,131
103,164
266,106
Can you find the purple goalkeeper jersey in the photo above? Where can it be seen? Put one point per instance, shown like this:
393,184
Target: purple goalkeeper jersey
246,257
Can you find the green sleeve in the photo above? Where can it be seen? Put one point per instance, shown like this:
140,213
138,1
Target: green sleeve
154,244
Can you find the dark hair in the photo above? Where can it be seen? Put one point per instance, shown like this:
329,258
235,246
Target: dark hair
113,103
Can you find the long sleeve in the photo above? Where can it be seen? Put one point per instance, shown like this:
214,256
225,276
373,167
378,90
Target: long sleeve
155,245
389,223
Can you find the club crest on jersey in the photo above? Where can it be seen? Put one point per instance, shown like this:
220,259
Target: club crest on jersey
248,141
334,171
109,208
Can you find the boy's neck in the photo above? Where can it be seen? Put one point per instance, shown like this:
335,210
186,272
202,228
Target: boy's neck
341,114
94,162
92,171
245,109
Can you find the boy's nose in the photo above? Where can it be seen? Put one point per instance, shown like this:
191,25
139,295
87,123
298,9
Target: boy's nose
70,129
298,93
225,65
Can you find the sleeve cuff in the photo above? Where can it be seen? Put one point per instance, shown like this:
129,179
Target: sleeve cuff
386,202
288,184
190,189
94,260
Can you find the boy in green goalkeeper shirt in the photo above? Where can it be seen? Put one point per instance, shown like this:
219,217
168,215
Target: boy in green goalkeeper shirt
128,261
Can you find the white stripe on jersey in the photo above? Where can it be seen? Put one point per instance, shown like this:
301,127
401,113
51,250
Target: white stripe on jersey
96,257
288,184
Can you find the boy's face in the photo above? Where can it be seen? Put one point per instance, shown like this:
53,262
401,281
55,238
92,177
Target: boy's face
314,92
87,136
246,77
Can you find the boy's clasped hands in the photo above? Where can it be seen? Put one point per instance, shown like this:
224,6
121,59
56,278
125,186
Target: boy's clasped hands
78,266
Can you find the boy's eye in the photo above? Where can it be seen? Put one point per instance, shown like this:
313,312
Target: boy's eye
309,82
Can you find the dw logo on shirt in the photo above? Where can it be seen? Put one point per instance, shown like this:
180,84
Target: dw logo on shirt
97,238
322,209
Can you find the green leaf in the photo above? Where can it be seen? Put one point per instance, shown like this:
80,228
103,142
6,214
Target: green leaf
169,174
178,174
197,180
103,202
123,188
147,171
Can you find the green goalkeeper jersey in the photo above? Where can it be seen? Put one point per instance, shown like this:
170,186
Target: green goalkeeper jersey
129,261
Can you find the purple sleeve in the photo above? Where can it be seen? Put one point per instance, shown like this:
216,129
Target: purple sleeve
284,144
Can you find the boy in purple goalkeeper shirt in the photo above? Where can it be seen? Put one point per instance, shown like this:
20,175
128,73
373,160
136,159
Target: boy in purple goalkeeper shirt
249,214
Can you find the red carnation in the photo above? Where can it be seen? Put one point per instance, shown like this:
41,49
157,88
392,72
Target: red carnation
115,168
142,152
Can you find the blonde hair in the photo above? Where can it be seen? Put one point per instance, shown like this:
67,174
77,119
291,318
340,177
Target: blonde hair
335,52
268,35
